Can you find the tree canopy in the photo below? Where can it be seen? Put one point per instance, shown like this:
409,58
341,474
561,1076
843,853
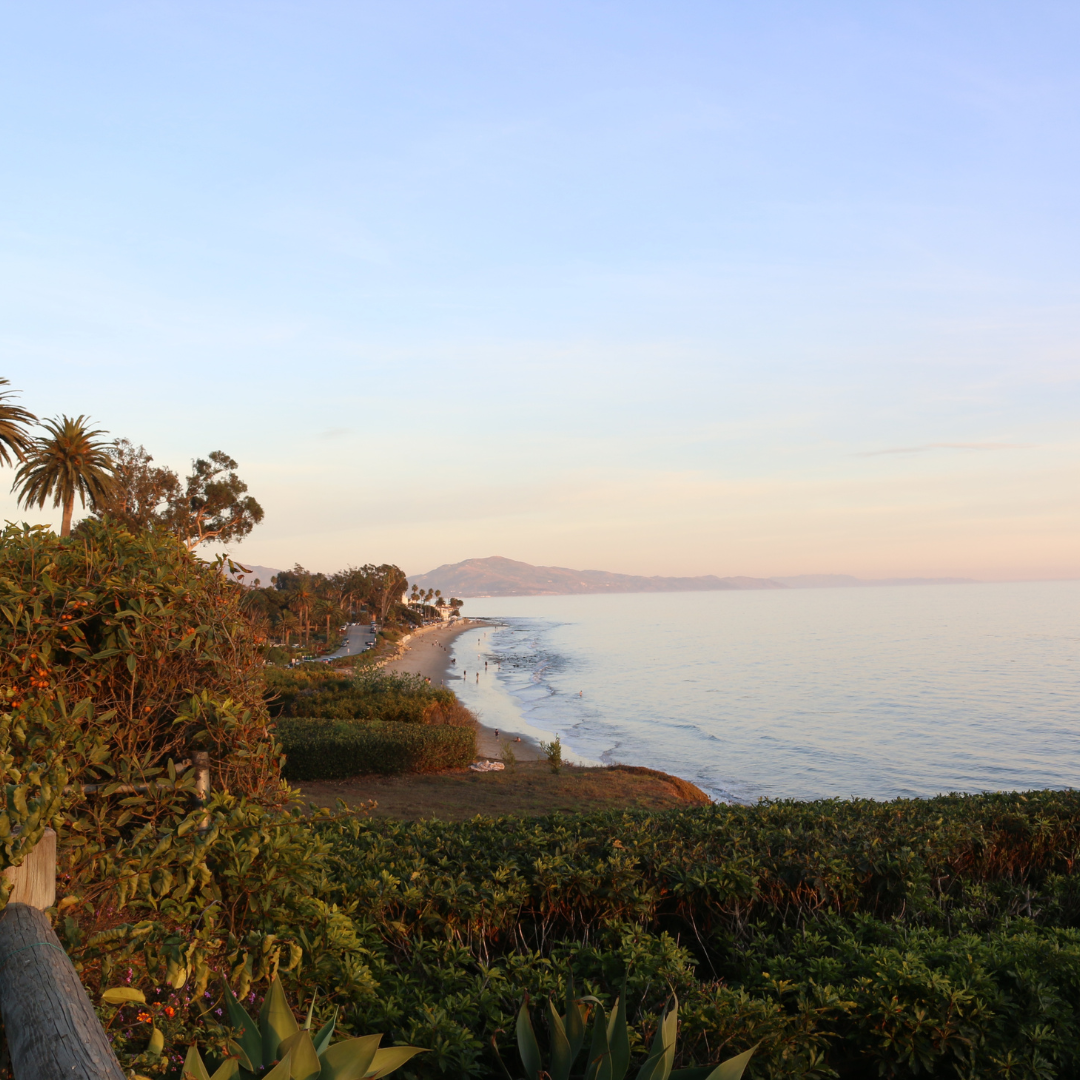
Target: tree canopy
70,460
210,504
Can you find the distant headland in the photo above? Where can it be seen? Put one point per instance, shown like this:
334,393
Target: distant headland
497,576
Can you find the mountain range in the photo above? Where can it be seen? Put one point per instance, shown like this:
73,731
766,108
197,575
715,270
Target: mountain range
496,576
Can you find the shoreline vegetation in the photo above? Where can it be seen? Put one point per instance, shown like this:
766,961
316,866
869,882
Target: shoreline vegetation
430,781
832,940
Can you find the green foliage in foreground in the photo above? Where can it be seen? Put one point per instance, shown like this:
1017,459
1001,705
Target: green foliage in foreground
335,749
918,937
608,1048
373,695
278,1048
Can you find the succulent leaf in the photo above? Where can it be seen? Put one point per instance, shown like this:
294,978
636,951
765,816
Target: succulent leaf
281,1070
250,1041
575,1019
733,1068
241,1056
276,1022
300,1048
226,1070
194,1067
662,1052
653,1069
618,1035
391,1058
323,1035
349,1060
561,1059
527,1045
599,1052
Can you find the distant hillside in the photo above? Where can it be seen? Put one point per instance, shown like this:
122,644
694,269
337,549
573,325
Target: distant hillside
505,577
846,581
261,573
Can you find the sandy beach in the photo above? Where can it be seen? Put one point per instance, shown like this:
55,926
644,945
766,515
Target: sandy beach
427,653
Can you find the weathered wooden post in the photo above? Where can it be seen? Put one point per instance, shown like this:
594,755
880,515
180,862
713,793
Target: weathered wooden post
35,877
52,1030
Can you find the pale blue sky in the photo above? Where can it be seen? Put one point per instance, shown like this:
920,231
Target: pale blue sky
640,287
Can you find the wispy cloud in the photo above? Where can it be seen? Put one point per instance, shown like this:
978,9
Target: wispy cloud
927,447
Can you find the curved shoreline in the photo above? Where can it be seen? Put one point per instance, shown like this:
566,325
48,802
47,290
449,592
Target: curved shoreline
426,652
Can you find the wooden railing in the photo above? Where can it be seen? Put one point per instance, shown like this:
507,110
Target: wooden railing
51,1028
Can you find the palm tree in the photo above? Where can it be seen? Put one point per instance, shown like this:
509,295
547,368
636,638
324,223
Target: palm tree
13,421
302,599
287,624
69,461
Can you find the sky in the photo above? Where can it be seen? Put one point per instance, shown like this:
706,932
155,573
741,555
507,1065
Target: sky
656,288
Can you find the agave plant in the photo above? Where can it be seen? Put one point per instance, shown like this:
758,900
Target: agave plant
609,1046
278,1048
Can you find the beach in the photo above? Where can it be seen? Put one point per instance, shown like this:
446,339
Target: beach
427,653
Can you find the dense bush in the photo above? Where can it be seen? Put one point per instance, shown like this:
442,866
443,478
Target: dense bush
910,938
150,637
335,749
313,690
120,653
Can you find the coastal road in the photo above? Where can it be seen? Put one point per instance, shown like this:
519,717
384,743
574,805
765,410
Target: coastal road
357,637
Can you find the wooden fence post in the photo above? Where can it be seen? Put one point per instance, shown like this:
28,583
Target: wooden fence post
35,877
51,1027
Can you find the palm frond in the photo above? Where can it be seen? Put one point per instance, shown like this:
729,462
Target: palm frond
69,461
14,440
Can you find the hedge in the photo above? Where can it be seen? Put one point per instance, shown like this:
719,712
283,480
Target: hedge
910,939
323,693
335,749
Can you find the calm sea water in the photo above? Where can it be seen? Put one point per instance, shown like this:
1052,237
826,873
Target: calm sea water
875,692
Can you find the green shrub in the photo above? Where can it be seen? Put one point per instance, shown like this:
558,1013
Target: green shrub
552,752
119,652
325,694
150,636
852,938
335,749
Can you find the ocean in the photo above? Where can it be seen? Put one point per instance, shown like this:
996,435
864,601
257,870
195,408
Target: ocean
871,692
